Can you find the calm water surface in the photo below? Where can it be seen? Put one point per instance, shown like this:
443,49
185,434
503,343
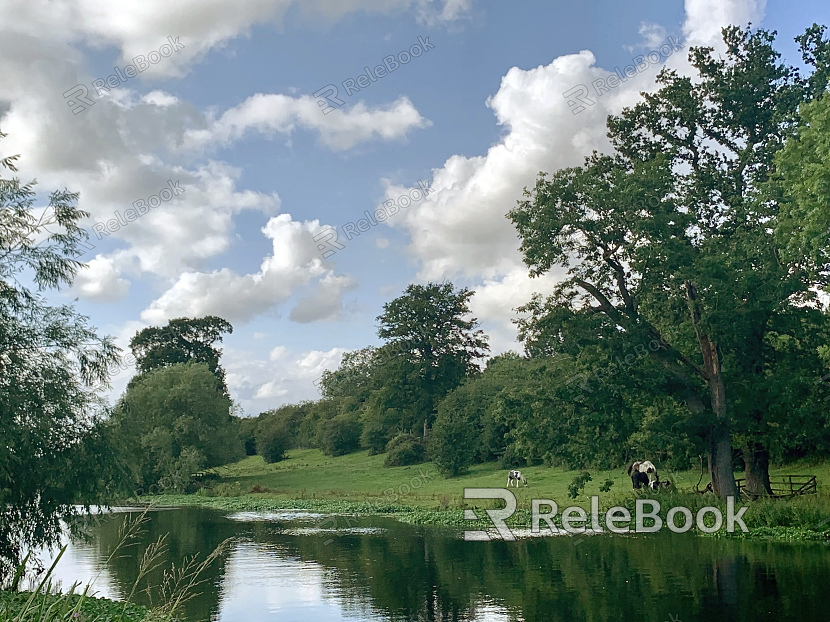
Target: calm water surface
290,567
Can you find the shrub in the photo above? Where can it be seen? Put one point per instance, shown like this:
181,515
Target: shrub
455,437
339,435
511,459
271,445
404,450
378,423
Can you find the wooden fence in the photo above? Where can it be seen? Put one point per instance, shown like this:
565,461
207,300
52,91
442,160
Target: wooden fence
785,486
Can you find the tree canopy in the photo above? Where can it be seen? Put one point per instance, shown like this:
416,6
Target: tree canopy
182,340
673,239
174,421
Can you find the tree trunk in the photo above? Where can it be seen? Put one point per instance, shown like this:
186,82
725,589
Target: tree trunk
756,458
720,438
720,463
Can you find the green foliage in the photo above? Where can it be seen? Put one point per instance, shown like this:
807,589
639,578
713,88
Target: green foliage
183,340
175,421
272,444
53,367
275,431
21,606
436,345
356,375
576,487
671,240
551,416
606,486
667,434
802,186
247,427
339,435
379,425
465,431
452,441
405,450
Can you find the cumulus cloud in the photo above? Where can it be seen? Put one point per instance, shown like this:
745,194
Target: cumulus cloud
339,130
460,229
138,27
326,302
294,262
101,281
287,377
127,144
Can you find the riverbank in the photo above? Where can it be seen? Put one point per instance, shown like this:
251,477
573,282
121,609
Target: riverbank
20,606
359,485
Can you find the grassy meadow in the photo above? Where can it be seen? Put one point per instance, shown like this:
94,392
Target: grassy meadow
359,484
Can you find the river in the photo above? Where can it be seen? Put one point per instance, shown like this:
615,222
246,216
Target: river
291,567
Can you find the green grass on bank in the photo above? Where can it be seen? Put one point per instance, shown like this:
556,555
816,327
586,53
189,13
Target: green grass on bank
62,608
359,484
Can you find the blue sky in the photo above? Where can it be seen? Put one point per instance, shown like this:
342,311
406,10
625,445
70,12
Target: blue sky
232,118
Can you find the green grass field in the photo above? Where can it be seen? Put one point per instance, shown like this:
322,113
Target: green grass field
359,484
309,474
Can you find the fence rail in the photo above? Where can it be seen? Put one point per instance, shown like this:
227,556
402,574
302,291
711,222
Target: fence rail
785,486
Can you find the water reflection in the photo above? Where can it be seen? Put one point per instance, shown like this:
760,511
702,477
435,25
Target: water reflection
284,567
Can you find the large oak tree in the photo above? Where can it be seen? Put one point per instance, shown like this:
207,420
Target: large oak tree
673,238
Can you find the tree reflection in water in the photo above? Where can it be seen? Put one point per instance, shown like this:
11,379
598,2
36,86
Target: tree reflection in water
277,571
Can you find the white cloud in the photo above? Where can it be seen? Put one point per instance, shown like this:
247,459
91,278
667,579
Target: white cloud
127,145
294,262
326,302
101,281
706,18
340,129
138,27
286,378
653,36
460,230
496,300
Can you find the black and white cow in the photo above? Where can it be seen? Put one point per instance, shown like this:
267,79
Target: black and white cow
516,476
640,472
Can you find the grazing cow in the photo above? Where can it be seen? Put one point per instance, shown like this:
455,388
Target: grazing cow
516,476
643,466
657,484
639,472
638,480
